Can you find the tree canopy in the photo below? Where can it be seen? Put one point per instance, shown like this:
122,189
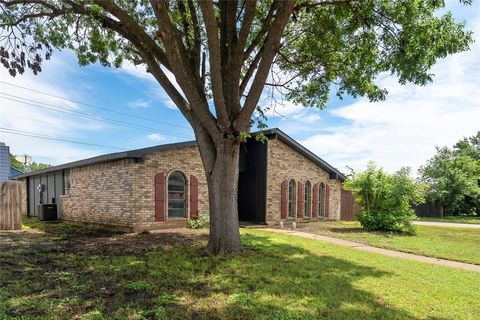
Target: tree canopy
453,177
232,54
313,44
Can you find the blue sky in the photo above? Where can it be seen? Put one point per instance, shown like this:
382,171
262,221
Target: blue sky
401,131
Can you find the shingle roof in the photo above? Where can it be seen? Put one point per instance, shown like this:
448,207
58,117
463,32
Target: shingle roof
140,153
14,172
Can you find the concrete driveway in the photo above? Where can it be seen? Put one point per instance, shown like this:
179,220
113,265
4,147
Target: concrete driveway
447,224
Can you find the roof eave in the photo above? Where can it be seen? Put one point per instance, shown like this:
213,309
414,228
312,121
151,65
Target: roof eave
139,155
282,136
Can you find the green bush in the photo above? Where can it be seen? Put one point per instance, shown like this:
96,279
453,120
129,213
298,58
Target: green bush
201,222
385,199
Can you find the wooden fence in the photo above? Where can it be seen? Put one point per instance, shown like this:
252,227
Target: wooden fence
429,209
348,207
10,205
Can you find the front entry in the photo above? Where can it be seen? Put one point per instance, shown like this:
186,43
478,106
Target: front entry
252,183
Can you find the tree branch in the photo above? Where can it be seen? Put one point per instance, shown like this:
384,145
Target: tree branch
321,3
135,29
182,69
197,40
40,2
251,69
236,59
270,51
263,30
215,61
250,7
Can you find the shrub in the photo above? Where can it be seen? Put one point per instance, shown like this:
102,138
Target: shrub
201,222
385,199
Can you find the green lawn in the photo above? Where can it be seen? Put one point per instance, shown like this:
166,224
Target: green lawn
455,219
76,272
460,244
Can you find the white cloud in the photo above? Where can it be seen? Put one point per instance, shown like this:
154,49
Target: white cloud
156,90
156,137
404,129
304,117
138,71
139,104
42,120
169,104
281,109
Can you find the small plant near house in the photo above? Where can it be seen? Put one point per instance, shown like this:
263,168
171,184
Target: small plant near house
385,199
200,223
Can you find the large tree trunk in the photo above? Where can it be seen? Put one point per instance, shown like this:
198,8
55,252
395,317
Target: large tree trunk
221,168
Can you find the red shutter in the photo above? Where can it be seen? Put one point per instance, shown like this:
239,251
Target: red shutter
160,197
315,201
327,200
300,200
284,200
193,197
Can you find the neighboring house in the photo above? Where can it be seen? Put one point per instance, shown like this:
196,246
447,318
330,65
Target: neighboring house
4,162
14,172
163,186
6,170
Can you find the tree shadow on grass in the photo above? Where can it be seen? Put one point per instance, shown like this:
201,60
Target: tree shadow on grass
71,230
348,230
384,234
169,276
355,230
295,283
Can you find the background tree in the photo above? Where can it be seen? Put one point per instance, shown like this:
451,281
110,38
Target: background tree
32,166
385,200
453,177
15,163
228,52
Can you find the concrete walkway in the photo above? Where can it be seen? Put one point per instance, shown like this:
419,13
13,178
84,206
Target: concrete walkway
448,224
386,252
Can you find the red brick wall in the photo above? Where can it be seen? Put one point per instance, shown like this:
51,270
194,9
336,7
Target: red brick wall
284,163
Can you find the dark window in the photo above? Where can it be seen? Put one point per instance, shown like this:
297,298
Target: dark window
66,182
308,199
291,198
177,187
321,200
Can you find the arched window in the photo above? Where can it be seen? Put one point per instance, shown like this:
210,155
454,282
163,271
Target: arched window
177,195
308,199
321,200
291,198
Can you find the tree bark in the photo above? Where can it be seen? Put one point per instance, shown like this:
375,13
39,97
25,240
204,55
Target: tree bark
220,160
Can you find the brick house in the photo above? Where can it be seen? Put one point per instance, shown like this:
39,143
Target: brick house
165,185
